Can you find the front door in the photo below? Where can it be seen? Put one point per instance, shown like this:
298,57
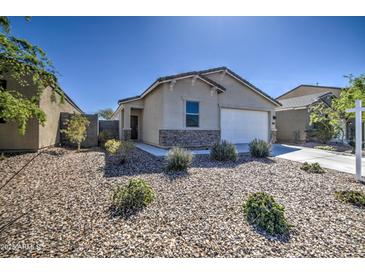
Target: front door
134,127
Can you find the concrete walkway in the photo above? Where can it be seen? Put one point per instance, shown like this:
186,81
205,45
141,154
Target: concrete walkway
331,160
326,159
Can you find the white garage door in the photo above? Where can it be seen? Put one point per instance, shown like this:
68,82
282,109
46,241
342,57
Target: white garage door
242,126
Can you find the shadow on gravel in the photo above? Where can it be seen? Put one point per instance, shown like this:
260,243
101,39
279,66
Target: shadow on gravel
281,239
125,215
204,161
82,150
175,175
140,162
137,163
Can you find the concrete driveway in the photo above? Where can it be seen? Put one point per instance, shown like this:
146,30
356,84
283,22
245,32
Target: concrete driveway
331,160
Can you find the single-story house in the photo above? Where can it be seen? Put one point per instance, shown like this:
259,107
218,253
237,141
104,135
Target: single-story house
197,109
36,136
293,116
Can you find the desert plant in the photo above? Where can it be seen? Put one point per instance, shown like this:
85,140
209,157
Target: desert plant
125,148
312,168
76,128
120,149
178,159
330,148
133,197
259,148
112,146
223,151
265,214
356,198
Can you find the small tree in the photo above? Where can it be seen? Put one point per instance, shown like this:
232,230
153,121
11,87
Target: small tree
105,113
76,128
329,119
29,66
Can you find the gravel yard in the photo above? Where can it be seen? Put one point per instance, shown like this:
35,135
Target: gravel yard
66,196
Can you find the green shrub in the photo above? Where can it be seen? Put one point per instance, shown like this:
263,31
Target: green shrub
133,197
178,159
265,214
125,148
223,151
113,146
76,129
330,148
120,149
356,198
259,148
312,168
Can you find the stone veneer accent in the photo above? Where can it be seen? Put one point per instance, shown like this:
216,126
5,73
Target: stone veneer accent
188,138
126,134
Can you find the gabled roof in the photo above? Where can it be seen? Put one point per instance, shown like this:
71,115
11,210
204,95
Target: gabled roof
201,74
302,101
310,86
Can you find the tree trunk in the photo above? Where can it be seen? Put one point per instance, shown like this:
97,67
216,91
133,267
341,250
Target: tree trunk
78,147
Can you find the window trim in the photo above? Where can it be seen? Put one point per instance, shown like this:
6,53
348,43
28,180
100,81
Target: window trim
190,113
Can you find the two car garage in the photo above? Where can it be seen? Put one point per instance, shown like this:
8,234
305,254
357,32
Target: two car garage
242,126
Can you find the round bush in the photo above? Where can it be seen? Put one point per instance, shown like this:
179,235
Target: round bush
356,198
265,214
133,197
312,168
259,148
112,146
223,151
178,159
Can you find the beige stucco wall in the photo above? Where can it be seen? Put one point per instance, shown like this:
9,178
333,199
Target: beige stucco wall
307,90
287,122
49,133
164,108
9,134
174,109
240,96
36,136
152,115
12,140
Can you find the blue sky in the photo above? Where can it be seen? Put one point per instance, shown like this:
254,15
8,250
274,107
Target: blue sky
103,59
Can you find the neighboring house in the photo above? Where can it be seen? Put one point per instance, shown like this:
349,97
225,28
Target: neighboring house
197,109
292,117
36,136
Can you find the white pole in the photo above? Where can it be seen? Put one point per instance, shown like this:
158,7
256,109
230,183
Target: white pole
358,140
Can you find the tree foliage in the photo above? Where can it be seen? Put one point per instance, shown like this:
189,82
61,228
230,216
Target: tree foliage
329,120
355,91
76,128
326,121
26,65
105,113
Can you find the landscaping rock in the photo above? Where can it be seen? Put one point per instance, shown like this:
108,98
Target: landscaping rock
197,213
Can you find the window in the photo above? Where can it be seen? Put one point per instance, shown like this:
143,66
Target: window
192,114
